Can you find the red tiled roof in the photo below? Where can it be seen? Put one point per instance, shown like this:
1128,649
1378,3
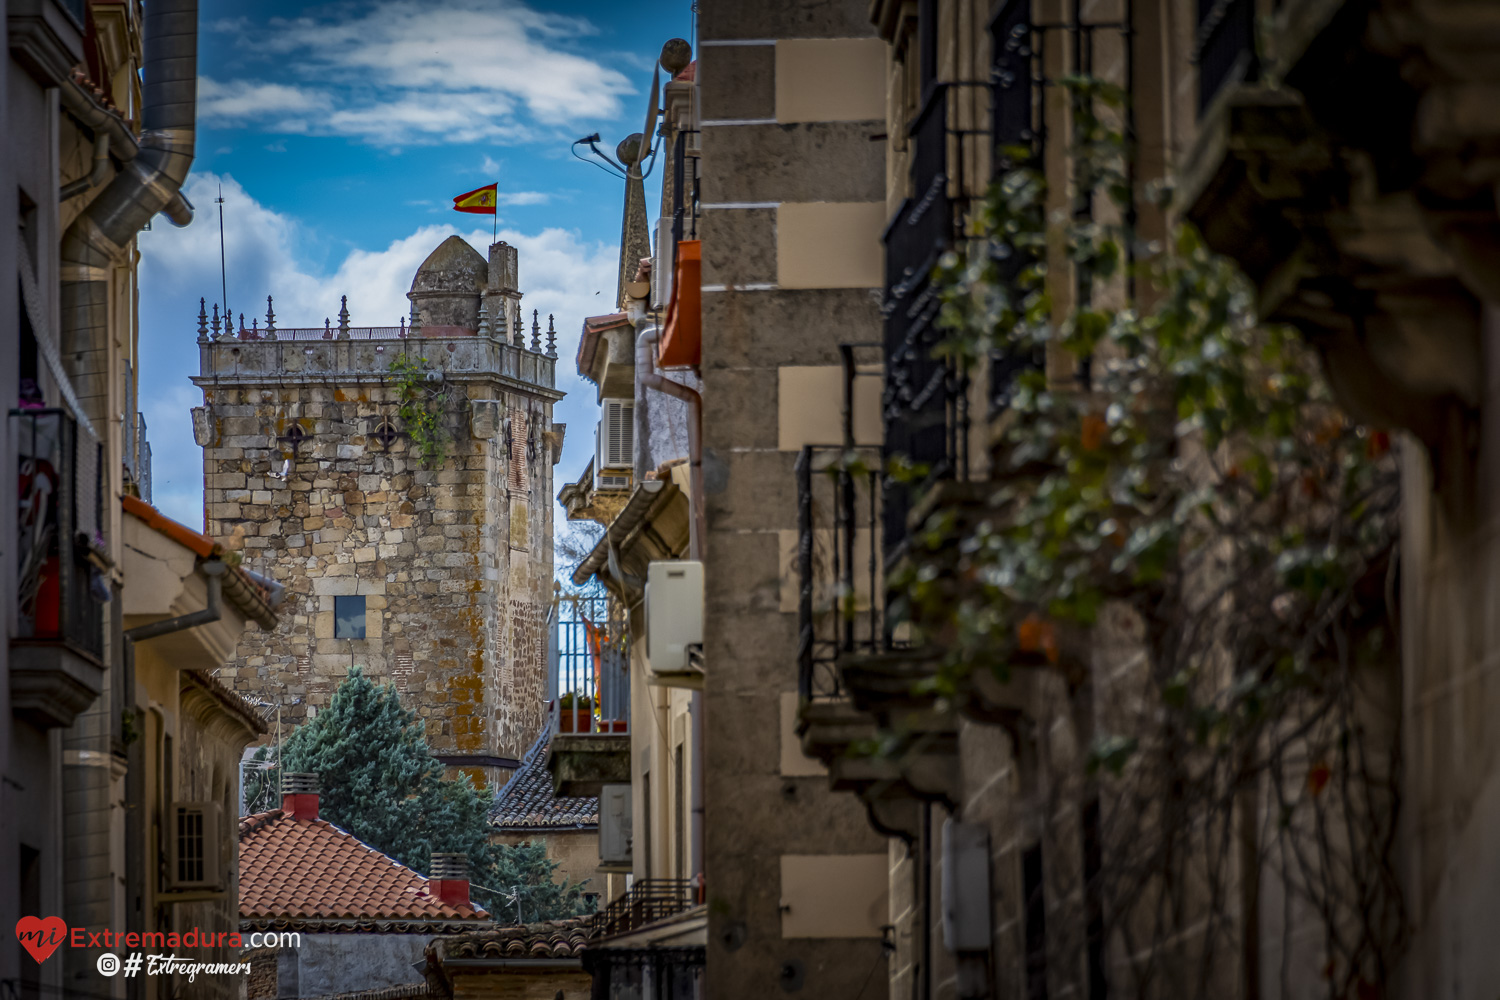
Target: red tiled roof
243,592
588,342
527,802
201,544
299,872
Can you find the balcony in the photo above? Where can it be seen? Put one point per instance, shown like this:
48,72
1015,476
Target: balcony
58,643
650,942
857,683
1359,201
644,903
588,691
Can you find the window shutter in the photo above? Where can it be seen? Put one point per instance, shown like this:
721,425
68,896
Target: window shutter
194,848
617,436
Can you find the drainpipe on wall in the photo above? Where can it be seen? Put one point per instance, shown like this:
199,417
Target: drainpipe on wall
148,183
650,378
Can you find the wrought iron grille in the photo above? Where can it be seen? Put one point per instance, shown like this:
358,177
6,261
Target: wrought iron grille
926,404
642,973
59,517
645,902
840,605
685,155
589,686
1224,46
924,409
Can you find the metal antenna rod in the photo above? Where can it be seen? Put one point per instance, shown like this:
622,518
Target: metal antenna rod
223,277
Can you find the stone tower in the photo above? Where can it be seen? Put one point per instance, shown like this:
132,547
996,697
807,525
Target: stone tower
398,482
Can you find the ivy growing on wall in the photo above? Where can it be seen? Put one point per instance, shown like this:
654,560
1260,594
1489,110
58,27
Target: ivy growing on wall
421,403
1195,500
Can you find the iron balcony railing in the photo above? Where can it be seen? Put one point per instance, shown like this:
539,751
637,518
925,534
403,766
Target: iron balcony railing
1224,46
59,519
645,902
588,684
841,599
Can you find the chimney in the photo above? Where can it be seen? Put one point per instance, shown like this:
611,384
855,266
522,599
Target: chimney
299,795
450,879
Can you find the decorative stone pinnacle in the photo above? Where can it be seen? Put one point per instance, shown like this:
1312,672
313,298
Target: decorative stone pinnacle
254,325
202,321
242,322
536,331
327,328
215,324
344,317
484,320
270,320
402,334
519,338
551,338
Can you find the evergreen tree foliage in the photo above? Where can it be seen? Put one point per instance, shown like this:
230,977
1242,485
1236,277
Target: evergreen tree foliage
379,781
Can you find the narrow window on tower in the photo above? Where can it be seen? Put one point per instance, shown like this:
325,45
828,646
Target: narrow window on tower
349,617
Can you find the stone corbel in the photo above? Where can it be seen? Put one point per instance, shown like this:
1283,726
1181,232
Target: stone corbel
1403,359
203,430
484,418
554,439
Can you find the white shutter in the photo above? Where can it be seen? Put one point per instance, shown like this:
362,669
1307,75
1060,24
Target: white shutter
617,434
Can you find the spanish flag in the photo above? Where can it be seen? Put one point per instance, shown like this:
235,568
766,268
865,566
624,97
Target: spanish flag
480,201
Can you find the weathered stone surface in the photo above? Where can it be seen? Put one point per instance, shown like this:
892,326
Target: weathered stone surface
453,557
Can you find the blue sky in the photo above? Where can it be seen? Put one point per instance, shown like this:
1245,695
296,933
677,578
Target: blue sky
340,134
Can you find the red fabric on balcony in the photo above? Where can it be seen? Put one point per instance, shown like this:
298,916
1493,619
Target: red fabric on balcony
682,340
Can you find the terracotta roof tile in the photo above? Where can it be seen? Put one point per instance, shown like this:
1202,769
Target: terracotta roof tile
552,939
299,871
527,802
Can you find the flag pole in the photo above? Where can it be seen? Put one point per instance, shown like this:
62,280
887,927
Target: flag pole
495,217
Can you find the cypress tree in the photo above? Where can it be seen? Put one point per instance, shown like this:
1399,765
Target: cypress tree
379,781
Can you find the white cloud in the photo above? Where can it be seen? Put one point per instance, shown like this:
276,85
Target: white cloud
524,197
239,100
560,273
419,71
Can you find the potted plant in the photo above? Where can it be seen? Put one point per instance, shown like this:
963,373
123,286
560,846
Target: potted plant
577,714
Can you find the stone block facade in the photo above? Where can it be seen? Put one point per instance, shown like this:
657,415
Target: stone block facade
312,474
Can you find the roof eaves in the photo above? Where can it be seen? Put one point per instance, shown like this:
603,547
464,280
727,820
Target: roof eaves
642,500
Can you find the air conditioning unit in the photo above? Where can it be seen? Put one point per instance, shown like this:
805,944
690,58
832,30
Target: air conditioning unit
193,851
674,617
617,434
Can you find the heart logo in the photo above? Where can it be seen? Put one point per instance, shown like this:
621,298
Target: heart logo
41,937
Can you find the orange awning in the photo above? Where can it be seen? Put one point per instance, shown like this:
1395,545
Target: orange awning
682,340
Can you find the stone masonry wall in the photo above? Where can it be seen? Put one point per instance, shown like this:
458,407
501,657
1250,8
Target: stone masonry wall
454,560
